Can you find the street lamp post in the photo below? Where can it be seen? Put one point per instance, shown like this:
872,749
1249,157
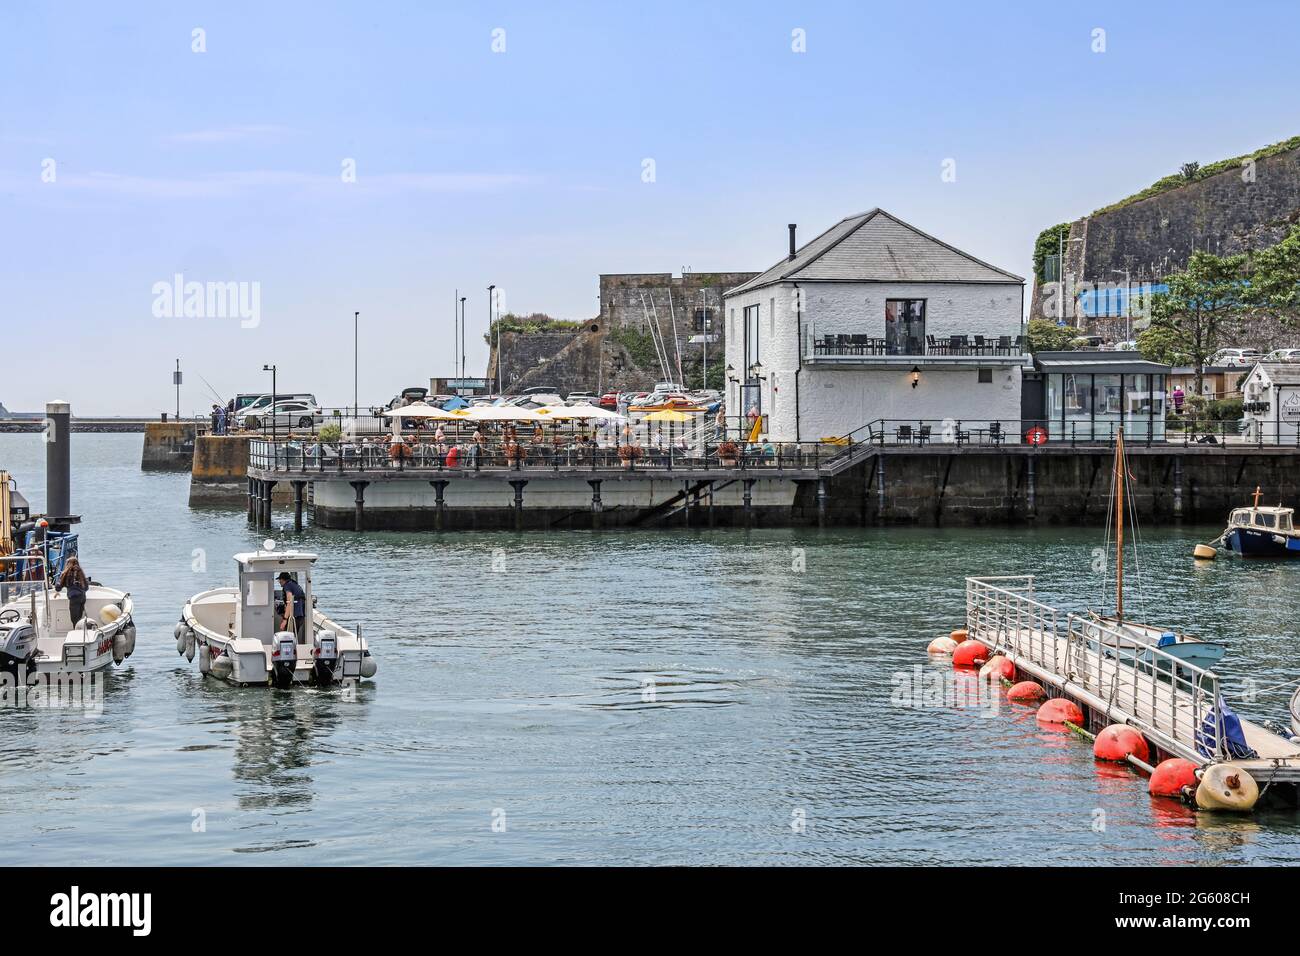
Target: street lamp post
176,380
490,289
271,369
462,339
356,360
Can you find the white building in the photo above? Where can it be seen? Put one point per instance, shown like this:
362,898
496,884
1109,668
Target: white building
1270,403
871,320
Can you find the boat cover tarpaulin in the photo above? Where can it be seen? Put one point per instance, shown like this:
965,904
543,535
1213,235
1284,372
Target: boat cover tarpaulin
1234,738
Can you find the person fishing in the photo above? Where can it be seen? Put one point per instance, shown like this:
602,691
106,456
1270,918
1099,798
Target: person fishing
74,580
297,608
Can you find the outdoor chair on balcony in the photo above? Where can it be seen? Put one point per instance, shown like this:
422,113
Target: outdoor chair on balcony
962,435
903,434
1004,345
995,433
956,344
1020,345
859,343
923,434
979,345
931,345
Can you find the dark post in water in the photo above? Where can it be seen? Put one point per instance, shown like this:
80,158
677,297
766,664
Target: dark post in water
58,466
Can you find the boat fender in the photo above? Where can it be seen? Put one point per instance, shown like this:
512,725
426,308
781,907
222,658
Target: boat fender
1025,690
189,645
368,665
942,645
998,668
1203,552
1059,710
1171,776
179,631
1225,786
1118,742
205,660
222,665
119,647
109,613
129,633
959,635
970,654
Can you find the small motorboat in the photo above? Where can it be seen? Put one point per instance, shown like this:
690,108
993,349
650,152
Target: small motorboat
666,402
1261,531
1184,647
38,634
239,633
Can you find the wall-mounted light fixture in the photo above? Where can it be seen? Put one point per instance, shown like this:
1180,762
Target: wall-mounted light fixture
915,376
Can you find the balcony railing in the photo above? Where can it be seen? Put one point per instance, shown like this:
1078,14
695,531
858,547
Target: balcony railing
854,345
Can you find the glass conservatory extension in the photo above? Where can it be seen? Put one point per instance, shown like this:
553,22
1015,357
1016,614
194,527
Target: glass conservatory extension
1091,399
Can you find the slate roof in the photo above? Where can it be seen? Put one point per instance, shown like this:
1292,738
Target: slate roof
877,247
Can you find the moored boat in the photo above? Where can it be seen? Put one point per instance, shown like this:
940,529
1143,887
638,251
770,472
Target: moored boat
38,634
243,635
1261,531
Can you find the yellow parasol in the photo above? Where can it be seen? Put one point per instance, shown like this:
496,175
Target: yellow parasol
668,415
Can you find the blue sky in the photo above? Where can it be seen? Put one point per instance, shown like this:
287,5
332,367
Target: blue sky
523,168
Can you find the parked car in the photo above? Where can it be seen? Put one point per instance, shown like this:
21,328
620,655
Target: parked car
284,415
582,398
260,406
609,400
406,396
1234,357
1283,355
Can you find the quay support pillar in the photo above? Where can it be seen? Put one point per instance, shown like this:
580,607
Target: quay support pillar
880,486
822,496
1178,487
749,501
298,486
359,487
252,500
597,508
268,488
439,502
708,489
518,485
1031,490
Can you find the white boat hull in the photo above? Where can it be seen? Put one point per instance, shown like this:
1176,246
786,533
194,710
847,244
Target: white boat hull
208,620
62,648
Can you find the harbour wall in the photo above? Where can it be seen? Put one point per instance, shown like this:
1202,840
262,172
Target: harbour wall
168,446
1065,486
489,503
219,471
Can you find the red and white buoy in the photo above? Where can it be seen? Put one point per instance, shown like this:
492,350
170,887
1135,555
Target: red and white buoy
1060,710
1119,742
1026,690
998,668
942,646
1171,776
970,654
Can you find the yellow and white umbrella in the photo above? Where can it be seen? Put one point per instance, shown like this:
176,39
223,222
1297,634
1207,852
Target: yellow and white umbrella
420,410
668,415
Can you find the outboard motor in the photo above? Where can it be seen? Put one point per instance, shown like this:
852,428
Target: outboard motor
325,656
17,649
284,659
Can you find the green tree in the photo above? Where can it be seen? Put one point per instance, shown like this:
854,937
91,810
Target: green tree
1274,285
1045,336
1202,303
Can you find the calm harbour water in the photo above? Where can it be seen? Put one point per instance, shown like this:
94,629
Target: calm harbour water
520,696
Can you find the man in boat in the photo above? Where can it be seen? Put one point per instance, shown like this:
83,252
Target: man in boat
298,608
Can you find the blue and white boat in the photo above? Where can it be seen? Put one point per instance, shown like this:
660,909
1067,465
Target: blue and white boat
1261,531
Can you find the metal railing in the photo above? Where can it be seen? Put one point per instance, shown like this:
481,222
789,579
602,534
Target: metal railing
1172,702
851,344
323,459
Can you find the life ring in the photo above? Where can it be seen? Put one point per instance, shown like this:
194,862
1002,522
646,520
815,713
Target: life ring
1036,436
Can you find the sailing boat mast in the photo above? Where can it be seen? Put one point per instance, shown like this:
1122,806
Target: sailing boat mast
1119,526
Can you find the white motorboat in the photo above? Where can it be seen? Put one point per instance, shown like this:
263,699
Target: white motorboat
239,636
38,635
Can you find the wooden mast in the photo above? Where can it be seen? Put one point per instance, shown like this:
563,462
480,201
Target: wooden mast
1119,526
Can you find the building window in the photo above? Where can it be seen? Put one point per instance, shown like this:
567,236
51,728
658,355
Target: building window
986,376
751,338
703,321
905,326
